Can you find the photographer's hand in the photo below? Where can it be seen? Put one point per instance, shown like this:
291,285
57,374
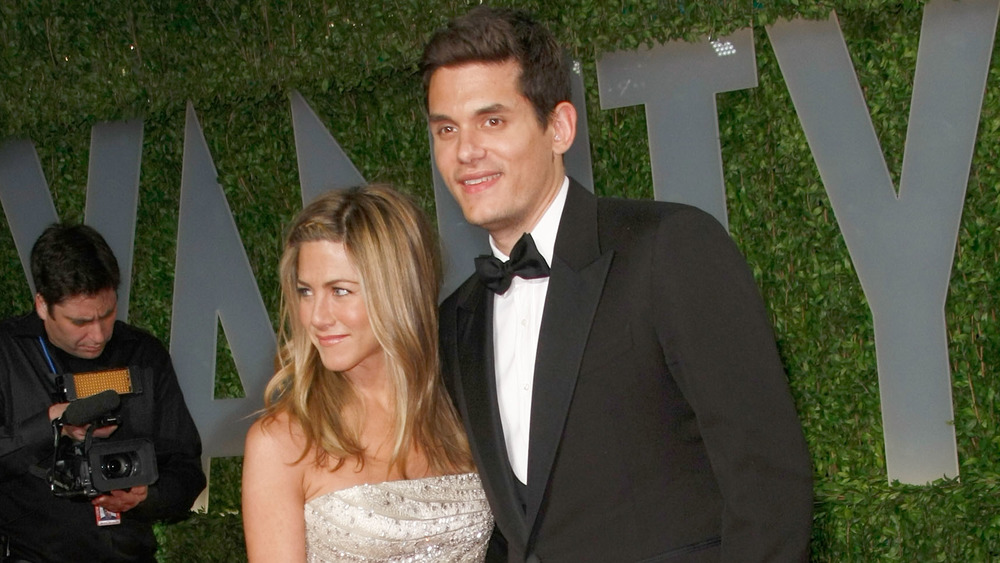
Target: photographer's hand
122,501
78,433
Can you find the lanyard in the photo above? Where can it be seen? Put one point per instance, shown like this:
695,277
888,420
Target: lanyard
55,378
48,358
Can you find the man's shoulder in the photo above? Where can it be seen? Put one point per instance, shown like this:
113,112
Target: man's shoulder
460,294
629,218
27,325
650,209
133,332
132,340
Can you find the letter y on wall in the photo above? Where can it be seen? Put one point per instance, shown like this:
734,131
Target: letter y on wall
902,246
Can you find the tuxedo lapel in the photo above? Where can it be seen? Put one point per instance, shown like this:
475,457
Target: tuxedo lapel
478,380
577,280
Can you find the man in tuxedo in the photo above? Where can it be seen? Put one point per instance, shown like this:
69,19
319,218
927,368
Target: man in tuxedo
612,359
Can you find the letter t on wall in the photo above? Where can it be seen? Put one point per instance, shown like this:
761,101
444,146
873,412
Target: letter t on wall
678,82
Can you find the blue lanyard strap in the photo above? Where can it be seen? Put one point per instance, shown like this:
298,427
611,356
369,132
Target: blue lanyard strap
48,358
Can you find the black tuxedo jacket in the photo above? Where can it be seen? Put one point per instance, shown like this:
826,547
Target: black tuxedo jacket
662,428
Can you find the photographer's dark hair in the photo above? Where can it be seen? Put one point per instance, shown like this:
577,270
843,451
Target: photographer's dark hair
70,260
496,35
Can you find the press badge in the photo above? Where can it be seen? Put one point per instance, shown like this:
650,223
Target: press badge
106,517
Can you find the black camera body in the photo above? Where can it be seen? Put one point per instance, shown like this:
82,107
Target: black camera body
94,466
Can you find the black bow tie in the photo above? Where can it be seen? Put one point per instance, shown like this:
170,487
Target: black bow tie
525,261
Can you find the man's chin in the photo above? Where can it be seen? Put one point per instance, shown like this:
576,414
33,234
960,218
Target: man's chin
480,216
89,353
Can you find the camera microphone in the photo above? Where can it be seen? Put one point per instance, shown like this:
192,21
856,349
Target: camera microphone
90,467
84,411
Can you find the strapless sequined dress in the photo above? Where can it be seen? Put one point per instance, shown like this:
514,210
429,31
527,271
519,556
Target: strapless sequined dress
443,518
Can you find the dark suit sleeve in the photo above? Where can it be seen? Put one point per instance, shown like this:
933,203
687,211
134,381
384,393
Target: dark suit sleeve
23,444
26,436
720,348
448,338
446,346
177,445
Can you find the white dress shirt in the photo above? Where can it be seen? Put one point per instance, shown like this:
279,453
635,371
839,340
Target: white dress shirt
517,318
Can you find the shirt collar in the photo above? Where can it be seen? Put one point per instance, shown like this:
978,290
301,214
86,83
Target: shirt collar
545,231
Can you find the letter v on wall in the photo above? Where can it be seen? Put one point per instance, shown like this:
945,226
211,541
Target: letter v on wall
112,196
902,246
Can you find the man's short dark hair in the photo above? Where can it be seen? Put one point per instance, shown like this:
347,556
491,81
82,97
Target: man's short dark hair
70,260
496,35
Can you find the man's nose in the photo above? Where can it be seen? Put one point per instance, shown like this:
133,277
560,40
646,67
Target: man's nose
99,332
470,148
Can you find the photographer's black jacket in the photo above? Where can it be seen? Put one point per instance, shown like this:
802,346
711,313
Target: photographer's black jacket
45,528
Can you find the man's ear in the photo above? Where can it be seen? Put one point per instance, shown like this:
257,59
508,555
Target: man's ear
562,124
41,307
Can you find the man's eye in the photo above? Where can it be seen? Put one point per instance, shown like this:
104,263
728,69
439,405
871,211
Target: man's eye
494,121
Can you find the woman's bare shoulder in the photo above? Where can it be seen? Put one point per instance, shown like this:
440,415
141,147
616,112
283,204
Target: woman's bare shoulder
276,434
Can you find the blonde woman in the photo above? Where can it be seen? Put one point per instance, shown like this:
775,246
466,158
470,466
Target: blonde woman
359,455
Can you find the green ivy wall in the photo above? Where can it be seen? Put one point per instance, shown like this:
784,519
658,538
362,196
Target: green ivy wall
67,64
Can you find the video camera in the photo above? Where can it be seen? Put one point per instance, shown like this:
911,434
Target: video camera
95,466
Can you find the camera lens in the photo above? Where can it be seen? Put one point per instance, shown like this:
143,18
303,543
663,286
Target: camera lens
116,466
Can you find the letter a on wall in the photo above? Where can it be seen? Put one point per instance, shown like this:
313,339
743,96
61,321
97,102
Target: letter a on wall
214,282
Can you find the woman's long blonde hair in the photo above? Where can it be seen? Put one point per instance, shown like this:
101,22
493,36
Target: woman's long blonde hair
394,249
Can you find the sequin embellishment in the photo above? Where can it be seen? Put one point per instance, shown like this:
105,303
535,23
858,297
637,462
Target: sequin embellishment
443,518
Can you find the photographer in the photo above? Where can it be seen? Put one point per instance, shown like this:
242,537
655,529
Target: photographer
73,330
